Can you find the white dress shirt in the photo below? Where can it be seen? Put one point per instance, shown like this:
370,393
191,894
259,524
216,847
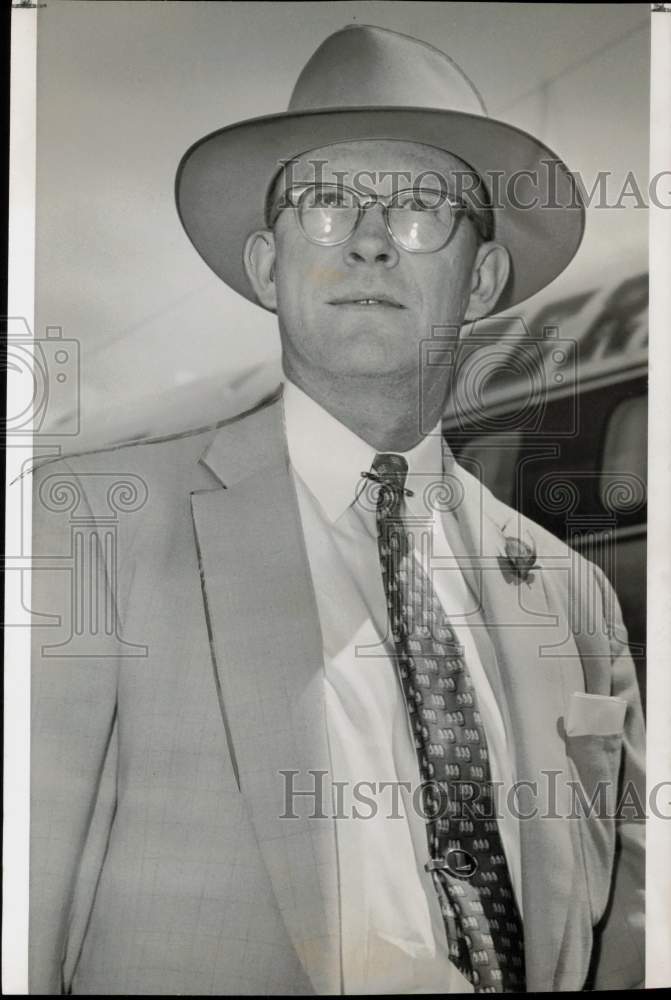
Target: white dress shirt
393,937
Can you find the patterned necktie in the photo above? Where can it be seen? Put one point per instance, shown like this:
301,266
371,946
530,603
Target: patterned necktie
466,857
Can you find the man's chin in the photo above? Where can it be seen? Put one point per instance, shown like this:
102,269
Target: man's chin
353,365
374,349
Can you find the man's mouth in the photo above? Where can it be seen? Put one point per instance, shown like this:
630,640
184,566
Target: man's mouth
385,301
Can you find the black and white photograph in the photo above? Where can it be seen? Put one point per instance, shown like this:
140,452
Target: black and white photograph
327,428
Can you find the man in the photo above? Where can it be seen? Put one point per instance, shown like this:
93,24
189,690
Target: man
314,601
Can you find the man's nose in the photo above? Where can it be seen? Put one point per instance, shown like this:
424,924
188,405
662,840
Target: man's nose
370,243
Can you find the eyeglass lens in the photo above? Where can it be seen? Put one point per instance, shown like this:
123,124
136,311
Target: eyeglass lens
419,220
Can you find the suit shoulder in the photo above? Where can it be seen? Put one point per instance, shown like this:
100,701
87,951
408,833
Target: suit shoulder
161,454
143,457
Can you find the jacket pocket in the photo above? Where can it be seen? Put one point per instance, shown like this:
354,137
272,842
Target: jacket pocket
594,764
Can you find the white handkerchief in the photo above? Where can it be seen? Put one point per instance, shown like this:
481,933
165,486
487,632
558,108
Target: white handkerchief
595,715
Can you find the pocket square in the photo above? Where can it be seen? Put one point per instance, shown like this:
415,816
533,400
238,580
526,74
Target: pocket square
595,715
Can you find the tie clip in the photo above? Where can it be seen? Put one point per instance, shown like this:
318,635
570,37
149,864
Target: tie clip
384,482
458,862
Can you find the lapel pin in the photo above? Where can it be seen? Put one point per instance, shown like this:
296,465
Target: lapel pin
519,560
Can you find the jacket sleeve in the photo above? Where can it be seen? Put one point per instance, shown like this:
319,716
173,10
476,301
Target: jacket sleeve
73,698
619,960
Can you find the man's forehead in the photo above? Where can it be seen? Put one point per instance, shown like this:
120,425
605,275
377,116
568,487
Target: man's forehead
384,161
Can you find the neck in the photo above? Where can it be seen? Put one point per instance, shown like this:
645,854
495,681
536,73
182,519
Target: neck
388,412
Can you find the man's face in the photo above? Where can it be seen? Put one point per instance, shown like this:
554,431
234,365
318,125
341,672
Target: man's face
320,289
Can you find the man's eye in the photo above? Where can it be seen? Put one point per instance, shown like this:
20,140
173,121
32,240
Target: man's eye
413,205
419,201
329,199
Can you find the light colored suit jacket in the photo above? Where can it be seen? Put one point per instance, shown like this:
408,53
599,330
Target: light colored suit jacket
166,701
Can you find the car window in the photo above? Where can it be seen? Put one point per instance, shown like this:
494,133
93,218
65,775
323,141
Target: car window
622,328
624,465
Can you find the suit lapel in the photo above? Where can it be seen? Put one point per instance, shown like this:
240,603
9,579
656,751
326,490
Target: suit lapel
267,653
524,623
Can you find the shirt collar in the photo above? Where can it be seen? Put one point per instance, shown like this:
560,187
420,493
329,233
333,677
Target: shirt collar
330,458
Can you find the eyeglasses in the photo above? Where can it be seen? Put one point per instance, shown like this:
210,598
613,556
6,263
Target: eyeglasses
420,220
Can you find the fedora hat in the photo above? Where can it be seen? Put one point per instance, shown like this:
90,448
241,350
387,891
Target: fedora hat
365,82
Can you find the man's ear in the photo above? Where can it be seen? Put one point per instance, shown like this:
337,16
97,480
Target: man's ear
491,269
259,261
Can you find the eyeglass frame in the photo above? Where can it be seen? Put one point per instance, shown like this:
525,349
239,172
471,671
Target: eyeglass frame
458,206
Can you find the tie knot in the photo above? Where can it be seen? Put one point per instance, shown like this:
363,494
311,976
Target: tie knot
391,469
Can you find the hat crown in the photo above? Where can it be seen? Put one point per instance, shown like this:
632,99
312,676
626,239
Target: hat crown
367,66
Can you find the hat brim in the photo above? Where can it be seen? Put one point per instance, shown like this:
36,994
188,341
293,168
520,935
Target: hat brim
222,181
